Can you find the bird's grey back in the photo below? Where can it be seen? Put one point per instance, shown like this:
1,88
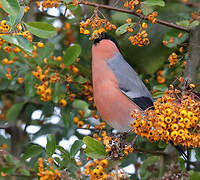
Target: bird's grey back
129,82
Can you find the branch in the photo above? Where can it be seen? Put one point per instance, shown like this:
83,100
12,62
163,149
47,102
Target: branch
157,153
159,21
194,55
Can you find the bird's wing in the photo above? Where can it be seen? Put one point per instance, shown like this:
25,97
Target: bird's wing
129,82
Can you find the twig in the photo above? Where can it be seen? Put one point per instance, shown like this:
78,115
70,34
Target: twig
157,153
166,23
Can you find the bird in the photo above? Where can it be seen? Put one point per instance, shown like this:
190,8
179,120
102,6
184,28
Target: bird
118,91
117,88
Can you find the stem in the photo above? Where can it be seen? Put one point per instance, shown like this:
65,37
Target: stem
159,21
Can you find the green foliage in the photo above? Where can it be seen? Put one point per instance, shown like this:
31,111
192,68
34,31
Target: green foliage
154,3
51,145
20,42
14,111
71,54
41,29
76,146
11,7
32,151
94,149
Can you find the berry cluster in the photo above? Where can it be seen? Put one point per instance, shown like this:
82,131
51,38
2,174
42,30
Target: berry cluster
4,26
175,117
131,4
48,172
173,59
152,17
97,25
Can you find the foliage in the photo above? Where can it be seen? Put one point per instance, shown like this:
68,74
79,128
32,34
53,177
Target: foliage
46,84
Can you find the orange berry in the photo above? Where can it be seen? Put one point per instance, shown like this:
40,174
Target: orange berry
40,44
63,102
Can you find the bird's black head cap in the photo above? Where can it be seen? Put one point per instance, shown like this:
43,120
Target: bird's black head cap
104,35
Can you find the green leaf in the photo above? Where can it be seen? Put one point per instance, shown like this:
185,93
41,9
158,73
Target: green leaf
144,173
194,23
158,95
29,82
9,159
94,148
51,144
185,23
67,1
65,154
82,105
162,144
174,34
32,151
146,10
56,92
194,175
71,54
11,7
45,52
154,3
81,80
76,146
182,163
20,42
48,109
160,87
41,29
24,172
122,29
14,111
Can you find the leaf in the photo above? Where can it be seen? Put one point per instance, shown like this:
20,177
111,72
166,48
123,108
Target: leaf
11,7
48,109
51,145
14,111
41,29
194,175
32,151
144,173
94,149
158,95
24,172
146,10
194,23
174,34
122,29
81,79
154,3
29,82
182,163
45,52
71,54
82,105
162,144
76,146
56,92
20,42
10,159
184,23
67,1
65,154
160,87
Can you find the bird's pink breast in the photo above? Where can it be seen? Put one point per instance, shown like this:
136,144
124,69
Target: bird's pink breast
114,107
